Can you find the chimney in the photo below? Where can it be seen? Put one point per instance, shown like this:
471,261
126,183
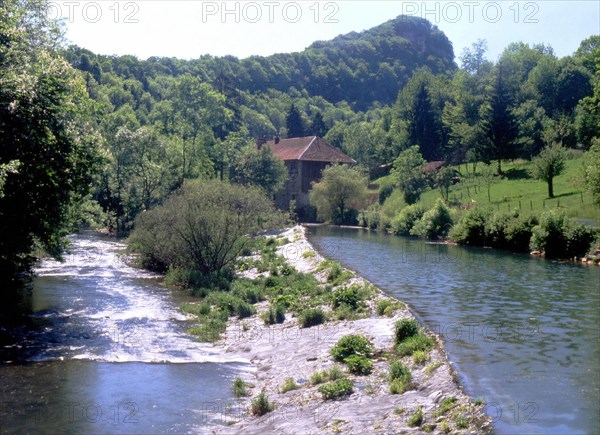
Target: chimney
260,141
276,139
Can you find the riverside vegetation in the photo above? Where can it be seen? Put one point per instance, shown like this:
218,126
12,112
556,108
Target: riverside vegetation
372,347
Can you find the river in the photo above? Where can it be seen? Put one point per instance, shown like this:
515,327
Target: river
95,346
523,333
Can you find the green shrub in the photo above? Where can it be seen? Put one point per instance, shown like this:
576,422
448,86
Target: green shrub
560,237
414,343
337,275
275,314
461,422
371,217
239,387
337,389
351,345
446,405
510,230
334,373
382,305
399,377
346,296
260,404
415,419
405,328
243,309
288,385
399,386
317,378
311,317
435,222
405,220
247,290
420,356
385,190
471,229
359,365
518,233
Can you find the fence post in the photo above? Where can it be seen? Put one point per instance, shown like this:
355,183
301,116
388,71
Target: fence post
531,204
519,204
509,207
544,204
581,193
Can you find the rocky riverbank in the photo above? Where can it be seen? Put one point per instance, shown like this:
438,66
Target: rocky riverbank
286,353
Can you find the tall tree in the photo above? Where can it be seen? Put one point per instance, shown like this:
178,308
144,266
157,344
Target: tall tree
261,168
317,126
472,59
498,126
294,122
45,125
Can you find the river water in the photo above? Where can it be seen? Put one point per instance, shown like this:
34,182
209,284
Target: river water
523,333
95,346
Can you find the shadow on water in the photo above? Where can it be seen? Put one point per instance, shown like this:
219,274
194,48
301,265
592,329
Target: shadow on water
522,332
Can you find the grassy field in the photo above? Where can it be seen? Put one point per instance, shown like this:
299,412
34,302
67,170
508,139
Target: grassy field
516,190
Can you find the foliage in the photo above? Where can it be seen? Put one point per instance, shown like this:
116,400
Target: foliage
351,345
289,384
405,328
405,220
416,418
386,307
560,237
592,169
340,187
311,317
275,314
202,227
470,230
435,222
359,365
511,231
261,168
260,404
414,343
399,378
332,374
239,387
49,145
548,164
408,174
337,389
420,356
385,190
294,123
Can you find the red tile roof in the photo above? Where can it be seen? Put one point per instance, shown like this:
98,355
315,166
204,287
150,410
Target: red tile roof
310,148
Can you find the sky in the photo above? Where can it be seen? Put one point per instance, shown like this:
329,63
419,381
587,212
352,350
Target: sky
190,28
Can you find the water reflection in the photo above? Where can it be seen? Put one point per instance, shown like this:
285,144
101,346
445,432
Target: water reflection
522,332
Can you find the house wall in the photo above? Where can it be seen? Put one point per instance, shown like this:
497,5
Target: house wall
301,174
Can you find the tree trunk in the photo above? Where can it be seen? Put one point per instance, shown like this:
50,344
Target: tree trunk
550,188
499,167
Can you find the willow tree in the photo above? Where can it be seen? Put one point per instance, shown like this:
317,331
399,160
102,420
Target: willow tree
340,187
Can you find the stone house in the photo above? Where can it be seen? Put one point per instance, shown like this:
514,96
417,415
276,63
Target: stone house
305,158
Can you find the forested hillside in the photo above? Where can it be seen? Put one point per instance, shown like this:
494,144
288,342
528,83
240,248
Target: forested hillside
372,94
155,123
